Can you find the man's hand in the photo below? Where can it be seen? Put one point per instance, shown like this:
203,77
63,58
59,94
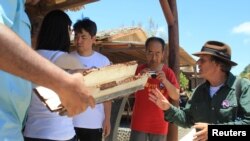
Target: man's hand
106,128
172,90
74,95
158,98
145,70
201,131
161,76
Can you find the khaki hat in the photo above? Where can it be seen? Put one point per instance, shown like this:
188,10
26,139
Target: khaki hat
217,49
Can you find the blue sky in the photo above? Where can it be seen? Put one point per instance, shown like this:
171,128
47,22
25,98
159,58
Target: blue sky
199,21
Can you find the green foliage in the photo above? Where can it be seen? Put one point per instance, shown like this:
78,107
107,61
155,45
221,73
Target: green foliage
246,72
183,81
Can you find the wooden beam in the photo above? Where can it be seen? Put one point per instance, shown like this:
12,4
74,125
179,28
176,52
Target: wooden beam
174,41
65,5
170,11
119,49
167,12
116,115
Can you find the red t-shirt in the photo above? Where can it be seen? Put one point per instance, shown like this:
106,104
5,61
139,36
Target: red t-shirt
147,117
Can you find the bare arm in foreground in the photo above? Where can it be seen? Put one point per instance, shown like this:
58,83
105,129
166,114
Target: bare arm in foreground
19,59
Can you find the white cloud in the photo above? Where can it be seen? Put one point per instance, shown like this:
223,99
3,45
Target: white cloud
243,28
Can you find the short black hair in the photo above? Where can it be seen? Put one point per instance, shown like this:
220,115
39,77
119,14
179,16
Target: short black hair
86,24
157,39
54,32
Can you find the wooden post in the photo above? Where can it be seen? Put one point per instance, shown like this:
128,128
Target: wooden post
174,41
173,60
167,12
116,114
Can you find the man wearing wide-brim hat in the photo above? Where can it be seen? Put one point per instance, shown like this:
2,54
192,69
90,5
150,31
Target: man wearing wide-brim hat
221,99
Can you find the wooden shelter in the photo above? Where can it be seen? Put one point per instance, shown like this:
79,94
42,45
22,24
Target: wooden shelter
126,44
38,11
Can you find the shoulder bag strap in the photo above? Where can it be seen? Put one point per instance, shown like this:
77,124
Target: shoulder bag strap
238,94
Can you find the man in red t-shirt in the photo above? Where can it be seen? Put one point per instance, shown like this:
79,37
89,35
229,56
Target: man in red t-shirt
148,122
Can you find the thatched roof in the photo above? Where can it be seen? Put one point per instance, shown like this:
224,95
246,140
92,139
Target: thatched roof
126,44
117,34
46,5
119,45
122,51
38,11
